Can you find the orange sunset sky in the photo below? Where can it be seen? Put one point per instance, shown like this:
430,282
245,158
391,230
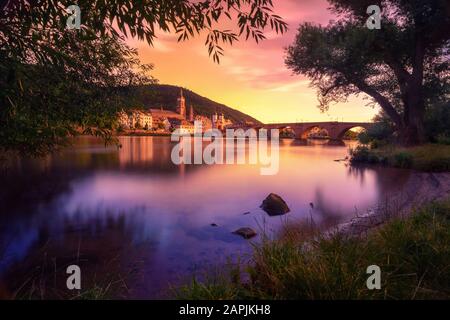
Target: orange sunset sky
251,77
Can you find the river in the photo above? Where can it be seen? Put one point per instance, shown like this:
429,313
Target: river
131,217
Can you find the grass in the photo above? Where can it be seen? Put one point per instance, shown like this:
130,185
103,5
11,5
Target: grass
40,287
427,157
413,253
43,275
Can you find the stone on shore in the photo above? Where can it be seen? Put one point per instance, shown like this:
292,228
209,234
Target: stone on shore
274,205
246,233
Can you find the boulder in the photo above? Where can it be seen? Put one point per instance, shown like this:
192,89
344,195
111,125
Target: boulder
246,233
274,205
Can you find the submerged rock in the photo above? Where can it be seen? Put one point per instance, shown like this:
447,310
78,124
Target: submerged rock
246,233
274,205
213,225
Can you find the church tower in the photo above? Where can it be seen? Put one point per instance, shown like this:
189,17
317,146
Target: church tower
191,114
181,104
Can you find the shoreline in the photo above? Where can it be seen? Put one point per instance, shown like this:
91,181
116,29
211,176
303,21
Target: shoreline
142,134
421,188
409,246
296,264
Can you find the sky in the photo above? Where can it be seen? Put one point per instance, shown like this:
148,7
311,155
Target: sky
251,77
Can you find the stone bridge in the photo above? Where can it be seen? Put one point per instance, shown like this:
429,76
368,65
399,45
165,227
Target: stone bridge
336,130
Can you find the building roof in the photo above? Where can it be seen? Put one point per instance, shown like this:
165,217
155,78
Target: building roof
166,114
177,122
133,112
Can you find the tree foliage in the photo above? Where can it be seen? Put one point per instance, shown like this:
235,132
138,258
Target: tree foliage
33,24
403,67
56,83
437,122
43,105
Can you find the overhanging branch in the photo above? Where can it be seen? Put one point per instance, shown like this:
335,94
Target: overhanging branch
381,100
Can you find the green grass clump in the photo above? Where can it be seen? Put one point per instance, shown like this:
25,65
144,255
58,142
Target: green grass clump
403,160
428,157
363,154
413,254
431,157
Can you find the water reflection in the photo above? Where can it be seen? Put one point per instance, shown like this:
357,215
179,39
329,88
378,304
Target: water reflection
120,209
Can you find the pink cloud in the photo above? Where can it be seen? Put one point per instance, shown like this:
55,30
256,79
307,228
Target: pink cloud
262,65
256,65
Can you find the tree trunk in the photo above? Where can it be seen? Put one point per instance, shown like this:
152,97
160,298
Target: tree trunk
413,132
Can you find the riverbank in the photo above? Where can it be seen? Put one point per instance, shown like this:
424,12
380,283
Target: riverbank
407,236
142,134
427,157
413,253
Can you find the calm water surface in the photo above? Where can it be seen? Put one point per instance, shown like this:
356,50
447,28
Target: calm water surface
130,213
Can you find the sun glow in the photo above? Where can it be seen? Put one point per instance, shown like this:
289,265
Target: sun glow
251,77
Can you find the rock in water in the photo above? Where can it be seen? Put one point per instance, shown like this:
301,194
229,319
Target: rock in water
246,233
274,205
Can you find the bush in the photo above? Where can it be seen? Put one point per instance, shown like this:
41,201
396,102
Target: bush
373,158
363,154
403,160
437,123
443,139
375,144
359,154
380,131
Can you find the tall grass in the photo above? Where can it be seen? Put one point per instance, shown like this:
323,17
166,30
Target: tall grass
413,254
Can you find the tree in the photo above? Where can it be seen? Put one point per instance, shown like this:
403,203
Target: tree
56,82
42,106
403,67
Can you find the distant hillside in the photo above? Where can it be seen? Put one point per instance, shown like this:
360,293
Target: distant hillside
162,95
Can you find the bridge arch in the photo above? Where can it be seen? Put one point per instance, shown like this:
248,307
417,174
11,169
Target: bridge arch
306,131
343,131
287,132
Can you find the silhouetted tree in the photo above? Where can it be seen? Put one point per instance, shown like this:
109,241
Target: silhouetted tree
56,83
403,66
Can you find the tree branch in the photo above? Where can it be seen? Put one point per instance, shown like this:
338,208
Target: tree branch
382,101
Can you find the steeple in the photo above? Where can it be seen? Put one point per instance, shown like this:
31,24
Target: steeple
181,104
